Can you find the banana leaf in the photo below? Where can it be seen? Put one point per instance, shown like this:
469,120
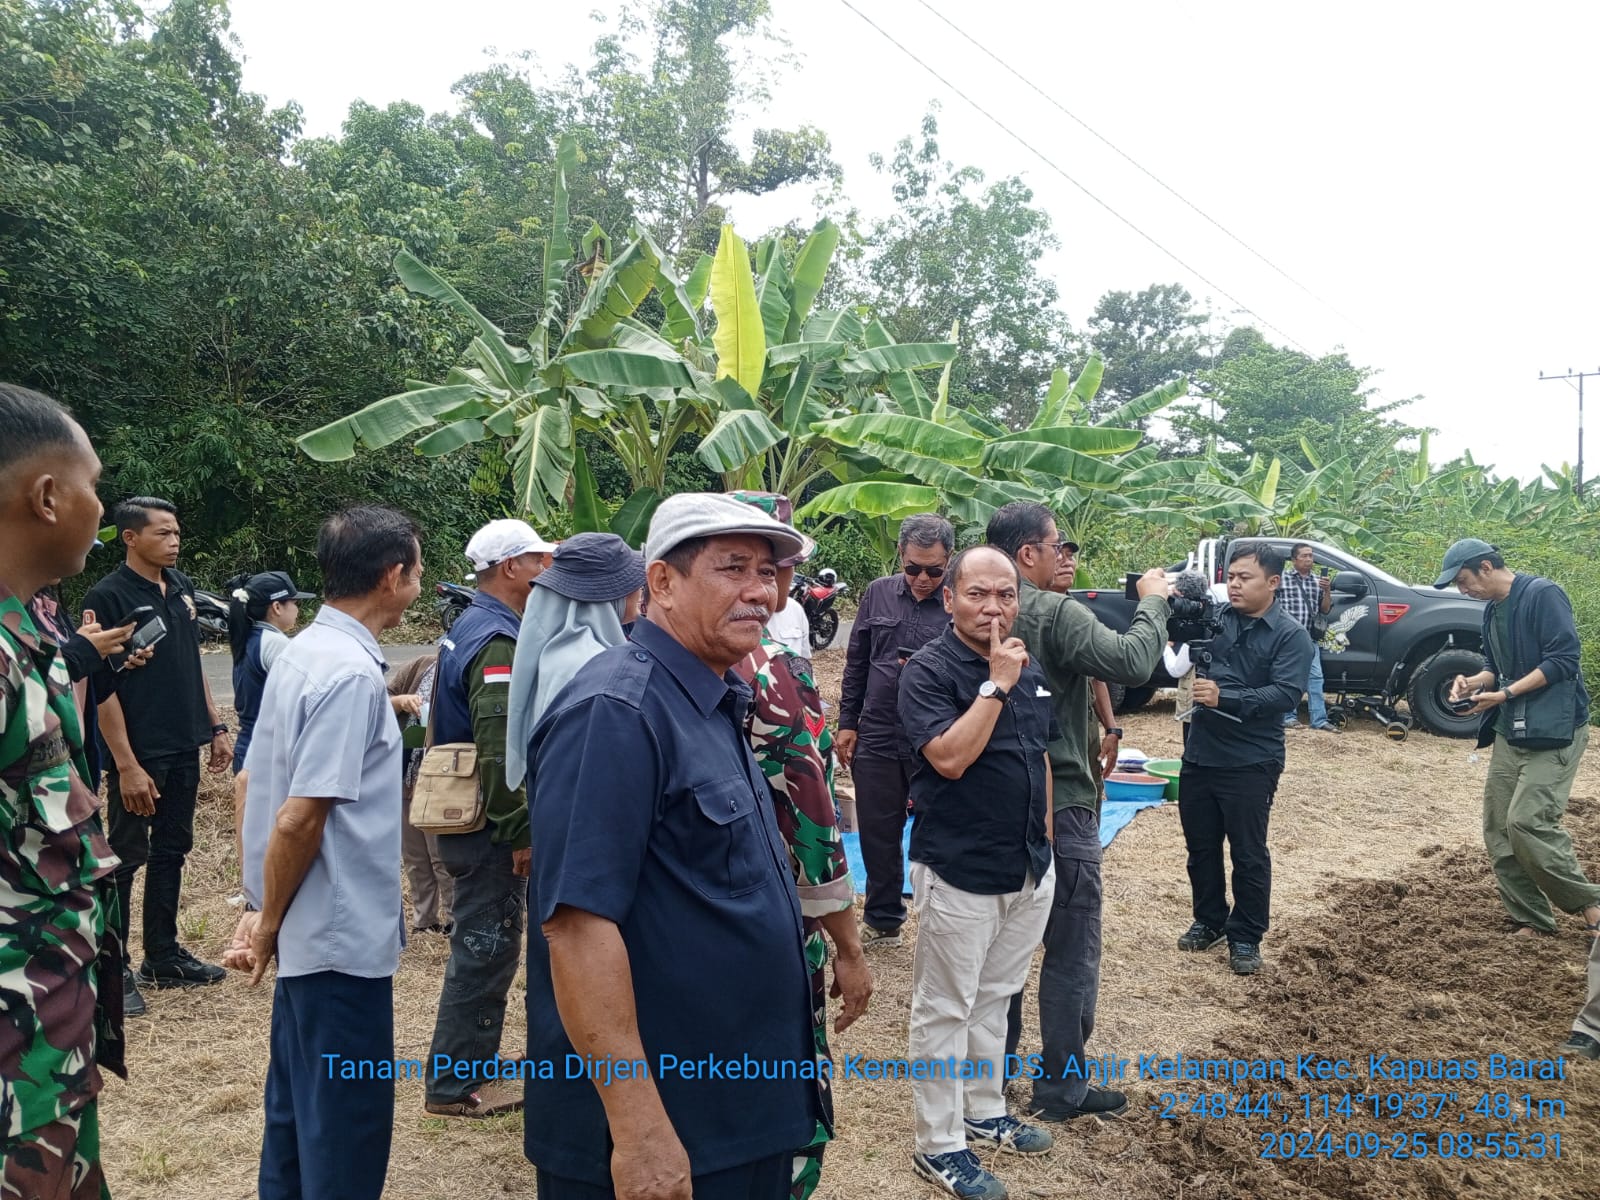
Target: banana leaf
810,269
737,439
383,422
740,338
872,499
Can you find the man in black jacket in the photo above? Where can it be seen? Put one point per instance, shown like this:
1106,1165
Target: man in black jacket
1234,756
1533,686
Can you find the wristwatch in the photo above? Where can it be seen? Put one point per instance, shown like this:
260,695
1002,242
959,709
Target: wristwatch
1115,731
990,690
218,728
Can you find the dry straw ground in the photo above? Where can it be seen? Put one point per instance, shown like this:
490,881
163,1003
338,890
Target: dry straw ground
1387,938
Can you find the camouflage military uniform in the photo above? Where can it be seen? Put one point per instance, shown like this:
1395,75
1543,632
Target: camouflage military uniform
56,899
790,738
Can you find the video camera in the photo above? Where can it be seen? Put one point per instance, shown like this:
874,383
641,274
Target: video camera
1193,615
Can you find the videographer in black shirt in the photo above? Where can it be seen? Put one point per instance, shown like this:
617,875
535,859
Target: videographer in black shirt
1234,755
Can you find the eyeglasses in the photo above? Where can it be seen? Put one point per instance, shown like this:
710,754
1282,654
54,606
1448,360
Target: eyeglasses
914,569
1061,548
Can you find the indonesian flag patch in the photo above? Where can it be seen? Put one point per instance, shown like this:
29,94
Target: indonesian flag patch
497,674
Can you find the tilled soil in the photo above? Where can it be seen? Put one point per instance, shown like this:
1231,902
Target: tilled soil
1387,939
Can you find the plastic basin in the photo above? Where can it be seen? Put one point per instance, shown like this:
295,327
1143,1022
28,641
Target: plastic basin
1168,769
1124,785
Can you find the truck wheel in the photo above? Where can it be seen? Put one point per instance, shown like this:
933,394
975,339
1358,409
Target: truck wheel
1132,699
1429,692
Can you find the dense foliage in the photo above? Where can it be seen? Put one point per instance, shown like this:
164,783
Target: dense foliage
204,286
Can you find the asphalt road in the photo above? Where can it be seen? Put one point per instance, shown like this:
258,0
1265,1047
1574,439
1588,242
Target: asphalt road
218,664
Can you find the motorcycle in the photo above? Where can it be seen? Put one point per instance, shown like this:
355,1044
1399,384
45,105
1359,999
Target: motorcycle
211,614
450,600
817,596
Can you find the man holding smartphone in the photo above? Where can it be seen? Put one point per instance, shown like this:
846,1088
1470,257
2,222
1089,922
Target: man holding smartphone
1305,597
152,728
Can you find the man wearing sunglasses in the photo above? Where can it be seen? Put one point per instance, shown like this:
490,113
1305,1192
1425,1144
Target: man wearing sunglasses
898,615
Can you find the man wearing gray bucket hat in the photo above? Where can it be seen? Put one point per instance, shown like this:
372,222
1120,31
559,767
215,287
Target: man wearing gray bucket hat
583,603
1536,714
660,875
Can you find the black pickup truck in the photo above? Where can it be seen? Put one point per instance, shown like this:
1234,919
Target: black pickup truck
1387,641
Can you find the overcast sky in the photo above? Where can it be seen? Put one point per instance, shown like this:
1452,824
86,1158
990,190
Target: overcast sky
1425,175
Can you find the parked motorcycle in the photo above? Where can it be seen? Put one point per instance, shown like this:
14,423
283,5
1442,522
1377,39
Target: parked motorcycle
450,600
817,595
211,613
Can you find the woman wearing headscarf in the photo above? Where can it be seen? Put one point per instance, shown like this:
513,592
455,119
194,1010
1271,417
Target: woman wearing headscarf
789,736
581,604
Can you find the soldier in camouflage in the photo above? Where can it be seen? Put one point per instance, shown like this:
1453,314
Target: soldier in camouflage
56,896
789,736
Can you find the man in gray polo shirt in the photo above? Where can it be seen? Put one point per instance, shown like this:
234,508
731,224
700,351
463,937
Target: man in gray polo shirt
322,854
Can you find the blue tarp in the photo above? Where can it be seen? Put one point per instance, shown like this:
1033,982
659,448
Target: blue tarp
1114,814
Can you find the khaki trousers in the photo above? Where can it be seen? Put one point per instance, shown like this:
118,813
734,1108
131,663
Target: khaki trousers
1524,801
972,956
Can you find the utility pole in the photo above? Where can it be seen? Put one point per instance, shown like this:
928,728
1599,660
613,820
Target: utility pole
1580,376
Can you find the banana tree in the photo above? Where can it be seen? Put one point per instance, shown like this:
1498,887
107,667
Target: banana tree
594,368
781,370
974,466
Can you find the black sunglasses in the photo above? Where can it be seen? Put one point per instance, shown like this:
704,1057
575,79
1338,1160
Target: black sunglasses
915,569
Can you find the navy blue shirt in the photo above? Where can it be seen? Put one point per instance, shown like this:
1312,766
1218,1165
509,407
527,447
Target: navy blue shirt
983,833
648,809
1260,666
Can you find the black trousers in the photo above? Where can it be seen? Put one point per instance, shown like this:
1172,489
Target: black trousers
766,1179
1232,803
485,952
1069,979
163,841
882,785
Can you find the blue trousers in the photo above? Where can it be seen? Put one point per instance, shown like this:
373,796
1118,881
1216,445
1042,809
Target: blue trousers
1316,702
328,1138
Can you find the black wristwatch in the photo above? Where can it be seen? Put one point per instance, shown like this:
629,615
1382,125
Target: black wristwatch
1115,731
218,728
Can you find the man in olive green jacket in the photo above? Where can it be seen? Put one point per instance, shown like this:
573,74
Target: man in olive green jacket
1073,648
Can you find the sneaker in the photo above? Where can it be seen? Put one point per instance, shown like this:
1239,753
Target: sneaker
871,936
1009,1133
132,1002
489,1100
1244,958
1201,937
1293,724
1328,727
960,1174
1580,1043
181,970
1097,1102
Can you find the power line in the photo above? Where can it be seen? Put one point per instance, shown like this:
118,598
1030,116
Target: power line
1042,157
1140,167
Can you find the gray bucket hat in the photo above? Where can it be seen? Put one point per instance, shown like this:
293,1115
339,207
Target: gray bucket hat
593,567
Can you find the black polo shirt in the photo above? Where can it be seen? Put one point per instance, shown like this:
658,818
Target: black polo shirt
985,832
164,701
1260,666
647,808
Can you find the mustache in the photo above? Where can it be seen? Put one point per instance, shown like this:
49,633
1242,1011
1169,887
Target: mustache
759,612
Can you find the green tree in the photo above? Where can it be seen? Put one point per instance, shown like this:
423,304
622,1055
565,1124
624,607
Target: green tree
958,253
1270,400
1146,339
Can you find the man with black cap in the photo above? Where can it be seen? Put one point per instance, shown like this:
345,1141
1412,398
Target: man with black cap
489,866
659,879
1537,716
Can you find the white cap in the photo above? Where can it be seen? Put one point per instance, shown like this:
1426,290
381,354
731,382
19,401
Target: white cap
500,540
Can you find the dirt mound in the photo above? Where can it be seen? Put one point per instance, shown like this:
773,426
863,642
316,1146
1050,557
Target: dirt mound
1416,969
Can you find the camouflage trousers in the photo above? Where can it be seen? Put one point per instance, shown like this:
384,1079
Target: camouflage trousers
58,1161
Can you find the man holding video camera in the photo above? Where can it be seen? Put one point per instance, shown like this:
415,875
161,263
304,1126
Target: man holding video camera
1533,686
1259,660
